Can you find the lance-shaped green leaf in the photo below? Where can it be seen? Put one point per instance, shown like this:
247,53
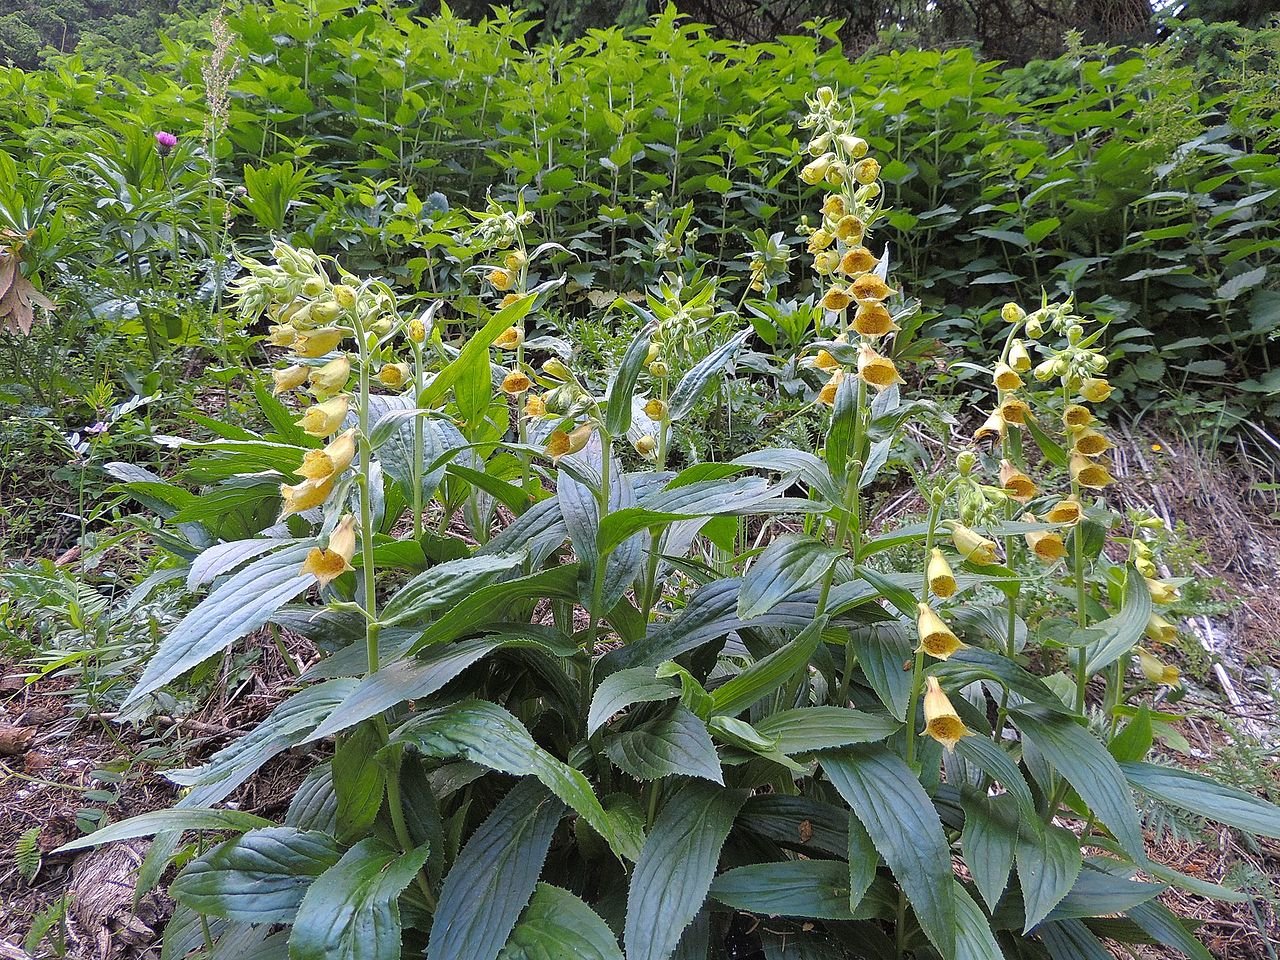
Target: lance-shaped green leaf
475,353
445,584
799,823
789,564
175,818
556,924
676,866
494,876
351,911
1160,923
811,889
1085,763
992,759
1098,892
764,676
1049,862
1072,940
806,729
1120,633
617,417
484,733
259,877
1205,798
974,937
624,688
989,839
904,826
698,380
674,744
244,602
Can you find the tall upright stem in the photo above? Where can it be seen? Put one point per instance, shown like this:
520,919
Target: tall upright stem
366,506
418,442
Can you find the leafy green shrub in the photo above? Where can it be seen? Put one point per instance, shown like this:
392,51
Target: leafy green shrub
575,704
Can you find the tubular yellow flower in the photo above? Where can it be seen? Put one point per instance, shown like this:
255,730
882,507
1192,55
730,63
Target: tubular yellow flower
936,638
515,382
330,378
1016,483
825,263
332,460
1014,410
1095,389
1162,592
1089,473
942,581
1006,378
940,718
993,427
1075,416
646,445
1090,443
345,295
509,338
858,260
1012,313
324,418
515,260
833,206
282,335
1046,545
972,545
866,171
318,342
876,370
825,362
1160,630
508,300
535,406
501,280
561,444
304,495
1019,359
325,311
1145,567
827,395
655,409
1067,510
289,378
870,288
326,564
855,147
850,229
658,369
1156,671
394,375
815,170
836,299
819,240
873,320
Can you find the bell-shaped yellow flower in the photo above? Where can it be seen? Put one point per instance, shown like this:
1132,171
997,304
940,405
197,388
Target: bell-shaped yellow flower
833,206
1089,473
289,378
850,229
332,460
509,338
1014,410
516,382
866,171
1158,672
872,320
1076,415
324,418
819,240
331,377
1095,389
858,260
1090,443
316,343
936,638
535,406
1019,359
942,582
993,427
1162,592
972,545
1066,510
940,718
836,299
393,376
501,280
562,443
655,409
1016,483
282,335
816,170
1006,378
1045,545
826,362
305,495
827,395
1160,630
825,262
869,288
328,563
875,369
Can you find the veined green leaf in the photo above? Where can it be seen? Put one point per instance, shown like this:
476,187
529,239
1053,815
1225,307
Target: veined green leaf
620,690
974,938
1049,862
558,925
764,676
807,729
787,565
617,418
675,744
475,353
696,382
813,889
1122,631
1205,798
989,840
1072,940
175,818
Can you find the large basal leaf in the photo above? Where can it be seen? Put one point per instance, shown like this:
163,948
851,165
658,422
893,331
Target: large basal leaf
676,867
359,780
809,889
974,938
675,744
1162,924
445,584
1205,798
259,877
484,733
241,604
1099,893
494,876
624,688
993,760
882,649
696,382
887,797
989,839
1121,632
146,824
798,822
761,678
787,565
1049,862
351,911
1081,758
806,729
558,926
1072,940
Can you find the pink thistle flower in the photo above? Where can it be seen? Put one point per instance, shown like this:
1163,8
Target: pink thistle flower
165,142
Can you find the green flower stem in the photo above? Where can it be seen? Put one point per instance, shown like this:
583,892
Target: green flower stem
651,590
366,507
917,668
419,378
597,586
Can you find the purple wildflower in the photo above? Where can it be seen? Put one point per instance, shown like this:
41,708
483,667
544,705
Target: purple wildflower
165,142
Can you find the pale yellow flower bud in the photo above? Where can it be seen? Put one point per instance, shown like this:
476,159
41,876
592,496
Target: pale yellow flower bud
1019,359
1012,313
971,545
941,580
289,378
941,722
395,375
324,418
330,378
936,638
316,343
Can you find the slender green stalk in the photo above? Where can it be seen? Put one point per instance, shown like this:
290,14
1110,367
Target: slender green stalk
419,376
365,481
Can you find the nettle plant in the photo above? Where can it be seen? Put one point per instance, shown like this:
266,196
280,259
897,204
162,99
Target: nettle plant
572,709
